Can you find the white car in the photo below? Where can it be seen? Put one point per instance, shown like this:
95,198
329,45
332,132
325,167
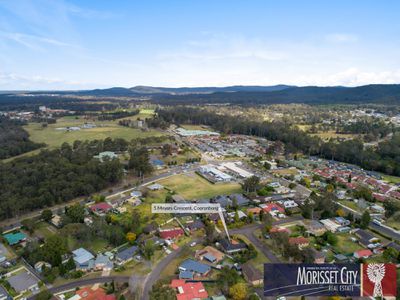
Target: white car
192,244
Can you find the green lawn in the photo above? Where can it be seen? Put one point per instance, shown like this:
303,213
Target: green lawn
351,204
192,186
260,260
96,245
345,245
393,223
54,138
45,230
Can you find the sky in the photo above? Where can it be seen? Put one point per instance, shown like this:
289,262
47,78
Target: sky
57,44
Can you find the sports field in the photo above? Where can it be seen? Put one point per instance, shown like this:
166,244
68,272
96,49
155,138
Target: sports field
192,186
54,138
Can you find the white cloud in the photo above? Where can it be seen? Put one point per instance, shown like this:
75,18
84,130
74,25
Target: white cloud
12,81
341,38
34,42
353,77
220,47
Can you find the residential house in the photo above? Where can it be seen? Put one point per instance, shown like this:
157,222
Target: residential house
155,187
231,247
178,198
241,215
84,260
342,221
223,201
14,238
170,234
364,253
239,199
103,262
151,228
23,282
56,220
210,254
330,225
316,228
101,208
393,245
88,221
136,194
252,275
12,227
189,290
377,209
340,258
272,208
319,256
276,229
367,239
190,269
126,255
4,295
301,242
106,155
94,293
134,201
288,204
196,225
40,265
254,210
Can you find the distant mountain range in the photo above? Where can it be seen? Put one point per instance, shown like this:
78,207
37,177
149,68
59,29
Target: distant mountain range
151,90
375,93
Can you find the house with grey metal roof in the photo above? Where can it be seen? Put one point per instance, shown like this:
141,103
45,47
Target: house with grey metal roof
23,282
126,255
195,267
4,295
84,260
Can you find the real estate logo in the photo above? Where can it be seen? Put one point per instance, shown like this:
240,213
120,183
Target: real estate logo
378,280
347,280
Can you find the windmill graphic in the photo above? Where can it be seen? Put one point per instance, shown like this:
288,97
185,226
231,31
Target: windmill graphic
375,273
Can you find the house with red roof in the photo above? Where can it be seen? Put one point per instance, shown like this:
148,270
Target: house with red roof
364,253
189,290
90,293
379,197
273,207
170,234
301,242
101,208
279,229
395,194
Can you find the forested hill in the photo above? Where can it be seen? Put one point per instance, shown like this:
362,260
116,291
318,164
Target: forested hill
381,94
279,94
14,140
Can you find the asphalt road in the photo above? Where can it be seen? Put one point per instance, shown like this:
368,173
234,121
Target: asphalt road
156,272
248,232
82,282
384,230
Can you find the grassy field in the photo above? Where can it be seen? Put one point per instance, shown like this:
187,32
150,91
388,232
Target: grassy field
260,260
391,179
345,245
332,134
54,138
351,204
195,127
192,186
45,230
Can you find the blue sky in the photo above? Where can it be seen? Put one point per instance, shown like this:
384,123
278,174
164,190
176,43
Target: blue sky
51,44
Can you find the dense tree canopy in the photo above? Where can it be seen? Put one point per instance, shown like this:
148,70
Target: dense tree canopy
54,176
14,140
